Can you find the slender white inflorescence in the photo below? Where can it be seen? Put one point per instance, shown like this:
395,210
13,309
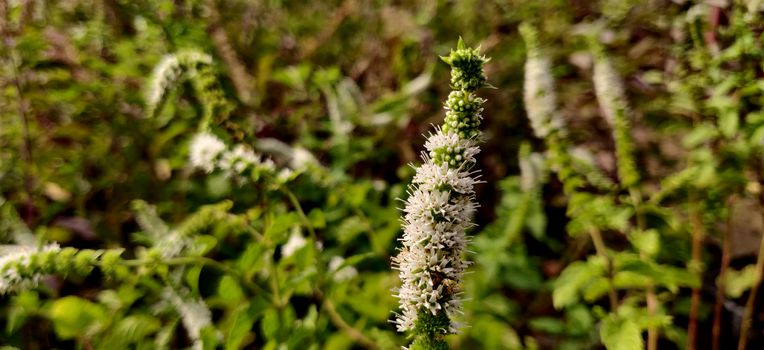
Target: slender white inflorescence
168,71
20,266
611,96
439,210
193,313
609,90
538,91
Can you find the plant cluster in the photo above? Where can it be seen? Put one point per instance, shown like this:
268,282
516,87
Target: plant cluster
227,174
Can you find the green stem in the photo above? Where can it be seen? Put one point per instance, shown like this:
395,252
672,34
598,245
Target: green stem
309,226
697,239
201,260
600,248
340,323
651,299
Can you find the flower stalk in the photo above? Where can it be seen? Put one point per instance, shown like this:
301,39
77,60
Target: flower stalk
439,211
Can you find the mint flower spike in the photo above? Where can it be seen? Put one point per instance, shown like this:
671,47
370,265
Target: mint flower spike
611,96
439,211
22,267
194,314
168,72
538,90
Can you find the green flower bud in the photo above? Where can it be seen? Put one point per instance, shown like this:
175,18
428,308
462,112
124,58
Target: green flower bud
109,260
466,67
64,260
85,260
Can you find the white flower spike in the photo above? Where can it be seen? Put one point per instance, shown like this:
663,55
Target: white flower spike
439,210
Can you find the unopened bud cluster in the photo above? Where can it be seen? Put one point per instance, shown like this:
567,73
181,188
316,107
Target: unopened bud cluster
463,110
466,68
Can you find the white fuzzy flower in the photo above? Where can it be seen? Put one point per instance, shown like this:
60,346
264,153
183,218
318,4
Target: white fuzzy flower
341,274
205,150
458,149
209,153
193,313
532,171
165,72
431,177
295,242
236,161
609,90
284,175
301,158
169,70
15,269
172,245
539,96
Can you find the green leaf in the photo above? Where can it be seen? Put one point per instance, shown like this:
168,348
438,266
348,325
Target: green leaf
535,219
700,134
243,320
355,260
251,259
192,277
73,317
317,218
728,123
202,245
229,289
647,242
350,228
631,271
209,337
737,282
493,333
270,324
278,227
549,325
24,304
620,334
574,278
133,328
596,288
579,320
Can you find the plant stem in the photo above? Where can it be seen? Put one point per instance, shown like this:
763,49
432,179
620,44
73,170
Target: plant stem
340,323
720,285
652,301
697,238
308,225
600,248
192,260
750,305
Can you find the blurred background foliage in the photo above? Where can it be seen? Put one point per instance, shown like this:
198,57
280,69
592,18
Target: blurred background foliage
356,84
